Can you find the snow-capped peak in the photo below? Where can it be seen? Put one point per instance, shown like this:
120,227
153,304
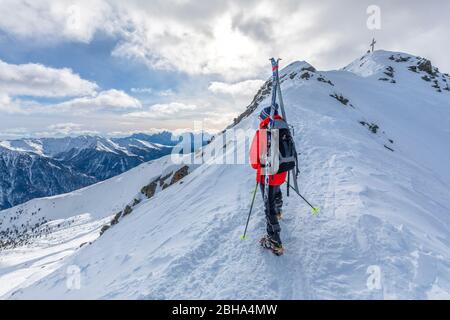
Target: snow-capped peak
374,62
297,67
402,69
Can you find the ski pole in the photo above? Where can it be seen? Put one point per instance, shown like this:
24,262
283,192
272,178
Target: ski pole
314,210
250,212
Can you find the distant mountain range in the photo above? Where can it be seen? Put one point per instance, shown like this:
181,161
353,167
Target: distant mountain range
32,168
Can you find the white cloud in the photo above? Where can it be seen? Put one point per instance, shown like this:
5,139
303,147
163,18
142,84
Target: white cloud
217,49
9,105
166,111
51,21
244,88
65,129
41,81
166,93
37,80
110,99
13,133
232,38
105,101
224,41
143,90
161,93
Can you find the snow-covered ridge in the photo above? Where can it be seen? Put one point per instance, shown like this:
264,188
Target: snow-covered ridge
374,158
50,229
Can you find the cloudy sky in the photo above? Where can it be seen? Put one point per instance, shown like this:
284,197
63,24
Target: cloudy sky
111,67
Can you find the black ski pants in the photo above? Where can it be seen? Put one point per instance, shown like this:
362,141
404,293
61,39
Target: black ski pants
272,208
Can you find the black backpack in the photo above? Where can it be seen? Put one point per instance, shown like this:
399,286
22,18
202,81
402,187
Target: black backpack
282,141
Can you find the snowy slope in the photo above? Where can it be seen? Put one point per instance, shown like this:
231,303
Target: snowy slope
35,237
374,158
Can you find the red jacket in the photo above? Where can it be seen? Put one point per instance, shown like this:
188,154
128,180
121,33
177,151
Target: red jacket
257,149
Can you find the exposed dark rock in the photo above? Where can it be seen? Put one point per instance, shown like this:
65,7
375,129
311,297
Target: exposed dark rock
104,229
116,218
149,190
371,126
322,79
180,174
310,68
340,98
162,180
426,66
84,243
305,76
399,58
164,186
127,211
389,72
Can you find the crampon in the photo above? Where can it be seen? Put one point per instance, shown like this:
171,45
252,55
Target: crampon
276,248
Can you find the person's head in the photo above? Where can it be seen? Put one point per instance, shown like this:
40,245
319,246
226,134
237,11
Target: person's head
266,112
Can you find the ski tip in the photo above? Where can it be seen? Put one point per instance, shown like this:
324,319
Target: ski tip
315,211
243,237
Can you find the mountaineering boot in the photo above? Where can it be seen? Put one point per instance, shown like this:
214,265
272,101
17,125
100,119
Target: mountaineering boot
268,243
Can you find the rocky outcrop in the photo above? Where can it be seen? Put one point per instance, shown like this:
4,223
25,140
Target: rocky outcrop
309,68
371,126
104,229
340,98
150,189
322,79
180,174
426,66
305,76
127,211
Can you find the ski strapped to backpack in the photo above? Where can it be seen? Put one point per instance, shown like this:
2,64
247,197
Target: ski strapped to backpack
282,141
283,152
270,164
